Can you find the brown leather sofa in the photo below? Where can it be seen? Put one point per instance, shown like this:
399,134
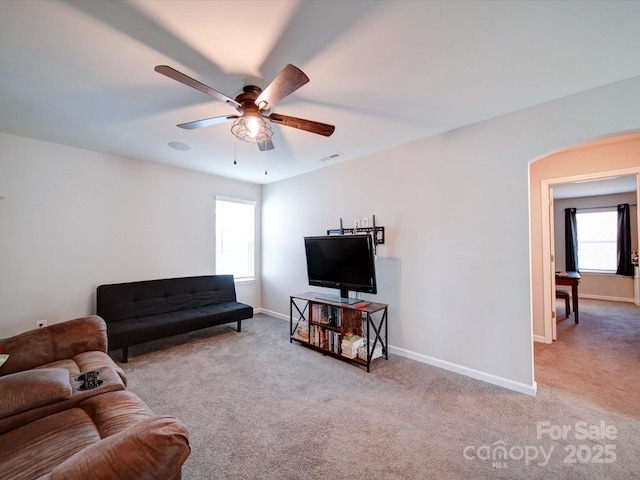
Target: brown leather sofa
52,427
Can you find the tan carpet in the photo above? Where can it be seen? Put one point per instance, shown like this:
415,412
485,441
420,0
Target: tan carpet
598,359
259,407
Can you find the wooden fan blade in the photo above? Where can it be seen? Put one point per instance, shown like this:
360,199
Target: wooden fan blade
307,125
286,82
207,122
264,146
201,87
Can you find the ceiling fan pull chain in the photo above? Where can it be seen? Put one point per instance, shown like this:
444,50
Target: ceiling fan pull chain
235,149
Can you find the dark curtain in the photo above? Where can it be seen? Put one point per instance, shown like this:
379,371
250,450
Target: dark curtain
570,240
625,267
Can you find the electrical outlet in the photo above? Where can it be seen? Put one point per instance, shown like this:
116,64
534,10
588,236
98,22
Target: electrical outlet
41,323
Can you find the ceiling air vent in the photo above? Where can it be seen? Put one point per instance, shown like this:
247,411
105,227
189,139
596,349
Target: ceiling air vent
330,157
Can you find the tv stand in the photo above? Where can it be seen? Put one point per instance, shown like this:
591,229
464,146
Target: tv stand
356,333
337,299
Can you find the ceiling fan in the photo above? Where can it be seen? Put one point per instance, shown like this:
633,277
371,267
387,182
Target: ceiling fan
253,106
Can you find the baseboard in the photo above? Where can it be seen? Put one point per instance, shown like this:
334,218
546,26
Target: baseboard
271,313
609,299
468,372
539,338
452,367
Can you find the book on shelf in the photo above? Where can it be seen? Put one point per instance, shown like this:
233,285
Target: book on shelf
333,340
350,344
326,314
302,331
352,340
319,313
349,352
314,335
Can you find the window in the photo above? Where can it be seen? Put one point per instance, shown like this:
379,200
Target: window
597,240
235,238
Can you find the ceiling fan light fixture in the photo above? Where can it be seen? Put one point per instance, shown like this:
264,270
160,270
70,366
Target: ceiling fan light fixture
253,106
253,125
252,129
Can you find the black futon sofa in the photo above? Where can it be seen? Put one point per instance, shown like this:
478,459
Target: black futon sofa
139,312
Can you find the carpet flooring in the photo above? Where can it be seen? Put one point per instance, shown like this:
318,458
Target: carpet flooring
598,359
259,407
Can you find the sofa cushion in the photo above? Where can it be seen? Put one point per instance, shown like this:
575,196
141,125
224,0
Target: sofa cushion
144,329
38,447
31,389
131,454
124,301
114,412
111,436
111,383
59,341
88,362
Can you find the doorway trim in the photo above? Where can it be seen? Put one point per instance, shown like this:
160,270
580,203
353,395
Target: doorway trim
548,277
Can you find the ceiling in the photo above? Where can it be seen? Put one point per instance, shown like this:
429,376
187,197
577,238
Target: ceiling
591,188
385,73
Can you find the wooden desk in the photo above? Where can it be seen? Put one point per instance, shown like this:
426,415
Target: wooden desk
571,279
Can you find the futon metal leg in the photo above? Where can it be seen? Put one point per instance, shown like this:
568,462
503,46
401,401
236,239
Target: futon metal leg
125,354
239,325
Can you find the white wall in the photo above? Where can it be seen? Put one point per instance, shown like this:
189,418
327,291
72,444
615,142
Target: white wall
74,219
456,267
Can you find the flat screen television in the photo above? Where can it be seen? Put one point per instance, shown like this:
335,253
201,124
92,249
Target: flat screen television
345,262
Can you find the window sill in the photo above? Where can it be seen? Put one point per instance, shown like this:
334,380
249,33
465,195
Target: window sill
599,272
244,281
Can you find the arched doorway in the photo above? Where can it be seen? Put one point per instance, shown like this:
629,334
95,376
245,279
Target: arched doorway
601,158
